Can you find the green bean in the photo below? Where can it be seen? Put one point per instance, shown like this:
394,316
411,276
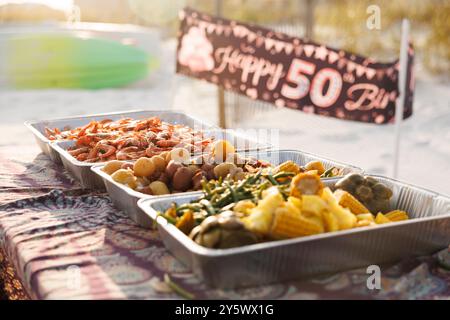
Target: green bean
208,207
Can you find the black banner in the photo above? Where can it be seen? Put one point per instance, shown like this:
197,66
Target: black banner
288,71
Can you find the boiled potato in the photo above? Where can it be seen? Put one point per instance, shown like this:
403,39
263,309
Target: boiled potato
159,162
159,188
182,179
112,166
123,176
143,167
133,184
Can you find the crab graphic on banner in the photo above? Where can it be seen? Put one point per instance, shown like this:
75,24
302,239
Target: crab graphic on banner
289,71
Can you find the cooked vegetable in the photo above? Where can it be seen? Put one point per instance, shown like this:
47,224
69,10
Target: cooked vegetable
143,167
186,223
290,223
222,231
288,166
158,188
182,179
305,183
123,176
315,165
345,218
397,215
159,162
381,218
112,166
172,167
346,200
372,194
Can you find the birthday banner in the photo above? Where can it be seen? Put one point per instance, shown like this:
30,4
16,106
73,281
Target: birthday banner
288,71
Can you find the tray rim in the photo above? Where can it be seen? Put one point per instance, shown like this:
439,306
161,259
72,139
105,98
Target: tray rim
96,167
199,250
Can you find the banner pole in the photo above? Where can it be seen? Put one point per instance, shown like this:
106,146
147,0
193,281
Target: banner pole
220,91
399,106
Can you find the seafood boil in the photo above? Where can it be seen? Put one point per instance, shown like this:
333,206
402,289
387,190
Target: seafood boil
268,206
128,139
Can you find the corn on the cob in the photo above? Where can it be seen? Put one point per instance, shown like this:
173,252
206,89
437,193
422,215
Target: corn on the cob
381,218
291,224
365,216
397,215
288,166
346,200
304,183
315,165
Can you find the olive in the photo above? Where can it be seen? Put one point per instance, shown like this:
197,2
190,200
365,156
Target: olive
112,166
182,179
172,167
143,167
159,188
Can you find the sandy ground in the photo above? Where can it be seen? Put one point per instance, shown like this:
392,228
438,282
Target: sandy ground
425,140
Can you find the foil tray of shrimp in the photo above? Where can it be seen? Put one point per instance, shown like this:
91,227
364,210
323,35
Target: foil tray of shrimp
425,231
54,130
125,196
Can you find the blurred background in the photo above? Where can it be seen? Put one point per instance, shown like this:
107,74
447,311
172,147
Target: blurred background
70,57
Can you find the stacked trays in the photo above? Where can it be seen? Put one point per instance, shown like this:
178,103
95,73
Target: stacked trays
57,150
263,263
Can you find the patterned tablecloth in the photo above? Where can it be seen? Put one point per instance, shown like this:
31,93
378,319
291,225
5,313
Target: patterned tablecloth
60,242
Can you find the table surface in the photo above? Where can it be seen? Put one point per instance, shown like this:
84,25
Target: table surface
67,243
